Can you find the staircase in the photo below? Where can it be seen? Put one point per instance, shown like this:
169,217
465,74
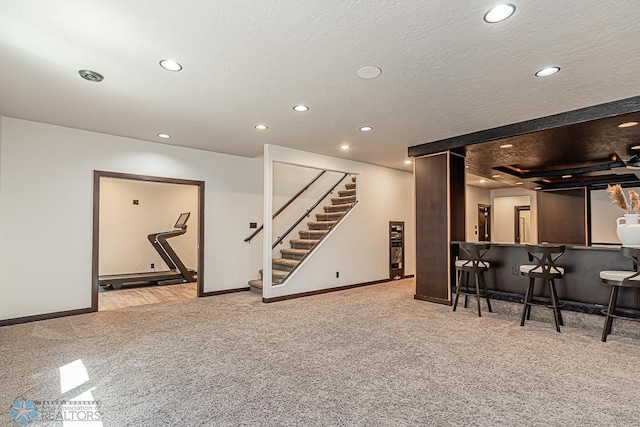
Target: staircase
308,239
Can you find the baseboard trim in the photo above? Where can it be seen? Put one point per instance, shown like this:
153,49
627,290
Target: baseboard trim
408,276
432,299
225,291
46,316
324,291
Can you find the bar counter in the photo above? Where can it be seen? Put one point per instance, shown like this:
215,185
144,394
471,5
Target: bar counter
580,288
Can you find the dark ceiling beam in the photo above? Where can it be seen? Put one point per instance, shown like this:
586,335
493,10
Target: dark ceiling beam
551,172
595,182
601,111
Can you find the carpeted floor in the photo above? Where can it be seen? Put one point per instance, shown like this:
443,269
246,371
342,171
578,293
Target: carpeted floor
369,356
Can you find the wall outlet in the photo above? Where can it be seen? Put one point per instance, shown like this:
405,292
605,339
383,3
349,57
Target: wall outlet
153,265
337,274
136,202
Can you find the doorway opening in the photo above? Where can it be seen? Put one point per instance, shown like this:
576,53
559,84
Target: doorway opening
522,221
484,223
135,250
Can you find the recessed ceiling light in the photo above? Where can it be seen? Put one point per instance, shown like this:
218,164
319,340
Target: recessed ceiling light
92,76
549,71
344,147
499,13
369,72
566,176
164,135
495,176
482,181
262,127
170,64
627,124
506,146
407,162
519,183
366,128
301,108
538,188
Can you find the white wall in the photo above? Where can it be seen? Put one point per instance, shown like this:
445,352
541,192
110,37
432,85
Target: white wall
124,226
359,247
603,216
503,201
473,197
46,210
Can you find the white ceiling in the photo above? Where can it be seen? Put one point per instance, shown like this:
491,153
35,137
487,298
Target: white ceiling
445,72
486,183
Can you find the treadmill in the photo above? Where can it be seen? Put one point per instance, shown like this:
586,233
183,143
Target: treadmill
178,273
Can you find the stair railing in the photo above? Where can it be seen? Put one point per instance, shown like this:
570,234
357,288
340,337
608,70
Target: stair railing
286,205
308,211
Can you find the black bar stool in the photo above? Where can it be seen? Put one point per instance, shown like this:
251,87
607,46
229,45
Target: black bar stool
545,269
472,265
617,280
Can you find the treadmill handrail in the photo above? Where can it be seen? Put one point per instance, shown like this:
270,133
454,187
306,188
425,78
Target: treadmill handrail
157,245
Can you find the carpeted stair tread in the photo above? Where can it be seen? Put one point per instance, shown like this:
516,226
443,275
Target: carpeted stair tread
353,178
337,208
284,264
291,253
344,193
350,185
343,200
256,283
321,225
303,243
329,216
277,274
312,234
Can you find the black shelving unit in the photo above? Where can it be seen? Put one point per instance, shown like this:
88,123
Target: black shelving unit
396,250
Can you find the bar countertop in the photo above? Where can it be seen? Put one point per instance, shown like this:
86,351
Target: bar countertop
574,247
581,283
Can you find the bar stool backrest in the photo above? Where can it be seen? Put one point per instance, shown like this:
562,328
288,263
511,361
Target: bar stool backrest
634,254
545,257
474,252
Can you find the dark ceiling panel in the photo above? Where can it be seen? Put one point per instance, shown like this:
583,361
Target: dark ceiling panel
581,150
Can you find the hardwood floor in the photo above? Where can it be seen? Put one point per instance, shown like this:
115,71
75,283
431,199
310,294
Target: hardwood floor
128,297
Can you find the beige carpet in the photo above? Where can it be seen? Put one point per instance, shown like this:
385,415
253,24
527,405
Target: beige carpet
370,356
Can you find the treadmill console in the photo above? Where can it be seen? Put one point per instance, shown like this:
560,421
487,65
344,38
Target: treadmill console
182,220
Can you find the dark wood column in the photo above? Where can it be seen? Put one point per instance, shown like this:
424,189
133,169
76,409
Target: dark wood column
440,205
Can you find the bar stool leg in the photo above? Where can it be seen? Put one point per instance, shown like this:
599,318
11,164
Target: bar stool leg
486,295
611,310
466,288
478,292
527,301
554,302
459,277
555,294
532,283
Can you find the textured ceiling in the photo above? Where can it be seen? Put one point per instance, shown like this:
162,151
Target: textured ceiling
445,72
